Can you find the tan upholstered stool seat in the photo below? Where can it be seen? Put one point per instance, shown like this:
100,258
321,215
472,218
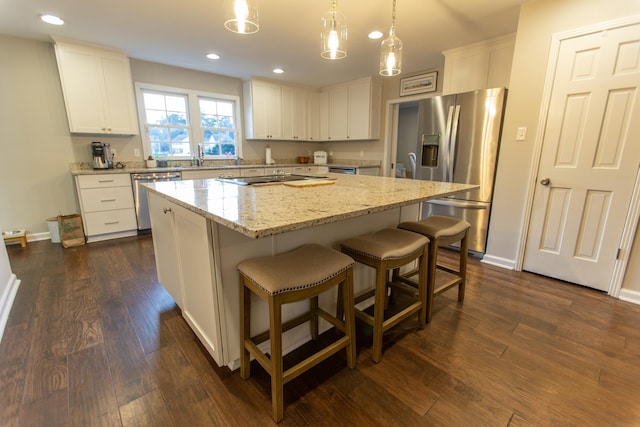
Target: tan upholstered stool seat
441,231
437,227
298,275
388,249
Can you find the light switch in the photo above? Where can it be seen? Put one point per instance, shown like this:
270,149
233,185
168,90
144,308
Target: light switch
521,135
136,152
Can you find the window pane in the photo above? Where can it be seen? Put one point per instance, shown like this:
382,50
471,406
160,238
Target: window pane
208,107
156,117
158,133
177,119
175,103
225,109
154,101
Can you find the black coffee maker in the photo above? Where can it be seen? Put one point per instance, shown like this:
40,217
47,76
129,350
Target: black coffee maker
102,158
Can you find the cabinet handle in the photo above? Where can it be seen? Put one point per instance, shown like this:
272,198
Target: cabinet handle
112,223
105,180
165,210
108,200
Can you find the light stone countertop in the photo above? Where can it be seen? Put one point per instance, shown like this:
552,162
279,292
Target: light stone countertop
260,211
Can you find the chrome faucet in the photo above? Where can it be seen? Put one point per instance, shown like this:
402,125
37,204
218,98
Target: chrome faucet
200,158
237,160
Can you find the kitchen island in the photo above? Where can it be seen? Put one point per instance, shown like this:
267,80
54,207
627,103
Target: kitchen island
203,228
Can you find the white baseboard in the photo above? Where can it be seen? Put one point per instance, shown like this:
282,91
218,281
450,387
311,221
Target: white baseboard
6,301
499,262
629,296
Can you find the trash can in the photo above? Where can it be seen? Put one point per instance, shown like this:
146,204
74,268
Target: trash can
54,231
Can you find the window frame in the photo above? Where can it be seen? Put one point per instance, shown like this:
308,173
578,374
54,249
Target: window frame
194,117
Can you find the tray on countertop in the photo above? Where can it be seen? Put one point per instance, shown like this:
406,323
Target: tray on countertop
310,183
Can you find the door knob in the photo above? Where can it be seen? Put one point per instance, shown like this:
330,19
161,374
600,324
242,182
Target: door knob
545,181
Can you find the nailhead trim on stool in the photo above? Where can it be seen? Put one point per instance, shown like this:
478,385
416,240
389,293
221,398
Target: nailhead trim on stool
298,275
442,231
388,249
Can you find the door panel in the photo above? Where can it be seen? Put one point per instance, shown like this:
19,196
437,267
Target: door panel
589,160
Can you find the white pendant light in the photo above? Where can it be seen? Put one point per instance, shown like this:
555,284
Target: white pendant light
241,16
391,50
333,37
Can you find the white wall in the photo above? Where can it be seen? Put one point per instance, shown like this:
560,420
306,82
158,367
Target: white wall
539,20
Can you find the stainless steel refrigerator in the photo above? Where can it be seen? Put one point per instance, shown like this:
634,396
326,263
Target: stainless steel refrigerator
458,141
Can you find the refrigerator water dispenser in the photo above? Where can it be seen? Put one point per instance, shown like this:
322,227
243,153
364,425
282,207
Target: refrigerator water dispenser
430,148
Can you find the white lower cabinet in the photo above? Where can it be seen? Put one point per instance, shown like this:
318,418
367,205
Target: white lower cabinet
186,268
106,204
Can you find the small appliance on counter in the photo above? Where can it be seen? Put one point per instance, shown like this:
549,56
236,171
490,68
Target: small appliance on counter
320,157
101,153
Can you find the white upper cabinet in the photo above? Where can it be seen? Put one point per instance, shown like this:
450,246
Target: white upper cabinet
480,65
353,111
97,89
294,113
263,110
349,111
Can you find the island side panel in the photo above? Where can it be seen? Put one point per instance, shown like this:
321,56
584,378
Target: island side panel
232,247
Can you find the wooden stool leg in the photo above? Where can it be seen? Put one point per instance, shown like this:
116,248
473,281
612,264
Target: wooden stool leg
349,318
313,322
245,329
422,287
432,259
275,335
464,248
378,312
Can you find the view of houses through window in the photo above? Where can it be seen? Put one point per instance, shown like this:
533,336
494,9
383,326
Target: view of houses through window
176,121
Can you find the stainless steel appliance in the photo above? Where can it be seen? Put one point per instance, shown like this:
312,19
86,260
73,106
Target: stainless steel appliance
140,195
101,153
349,170
458,141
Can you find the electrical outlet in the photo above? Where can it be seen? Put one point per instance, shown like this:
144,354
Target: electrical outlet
521,134
136,152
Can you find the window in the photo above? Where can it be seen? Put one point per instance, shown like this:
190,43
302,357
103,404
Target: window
177,120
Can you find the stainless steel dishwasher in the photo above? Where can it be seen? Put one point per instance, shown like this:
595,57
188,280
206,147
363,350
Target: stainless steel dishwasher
140,195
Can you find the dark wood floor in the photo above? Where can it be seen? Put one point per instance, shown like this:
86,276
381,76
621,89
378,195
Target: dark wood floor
92,339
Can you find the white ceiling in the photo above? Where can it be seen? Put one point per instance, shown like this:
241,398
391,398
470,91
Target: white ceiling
180,33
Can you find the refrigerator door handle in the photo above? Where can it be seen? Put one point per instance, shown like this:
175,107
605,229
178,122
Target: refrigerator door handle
447,145
452,142
459,204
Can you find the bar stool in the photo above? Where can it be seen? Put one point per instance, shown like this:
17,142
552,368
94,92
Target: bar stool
442,231
298,275
384,250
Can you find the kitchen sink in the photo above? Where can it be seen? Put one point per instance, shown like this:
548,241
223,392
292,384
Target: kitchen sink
268,179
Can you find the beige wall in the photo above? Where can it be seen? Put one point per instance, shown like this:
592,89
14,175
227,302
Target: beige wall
539,20
35,145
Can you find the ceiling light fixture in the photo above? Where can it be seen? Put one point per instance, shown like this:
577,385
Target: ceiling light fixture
52,19
333,37
375,35
391,50
241,16
213,56
278,70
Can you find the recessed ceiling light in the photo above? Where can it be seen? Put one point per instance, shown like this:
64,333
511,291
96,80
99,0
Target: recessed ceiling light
278,70
375,35
52,19
213,56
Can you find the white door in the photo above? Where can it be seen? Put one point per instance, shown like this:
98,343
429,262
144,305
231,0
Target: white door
589,160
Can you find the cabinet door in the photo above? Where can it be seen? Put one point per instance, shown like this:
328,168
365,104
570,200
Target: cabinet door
119,100
338,113
200,297
82,89
359,114
165,246
313,116
266,105
294,113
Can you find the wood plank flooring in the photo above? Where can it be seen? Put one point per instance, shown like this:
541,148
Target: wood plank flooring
94,340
